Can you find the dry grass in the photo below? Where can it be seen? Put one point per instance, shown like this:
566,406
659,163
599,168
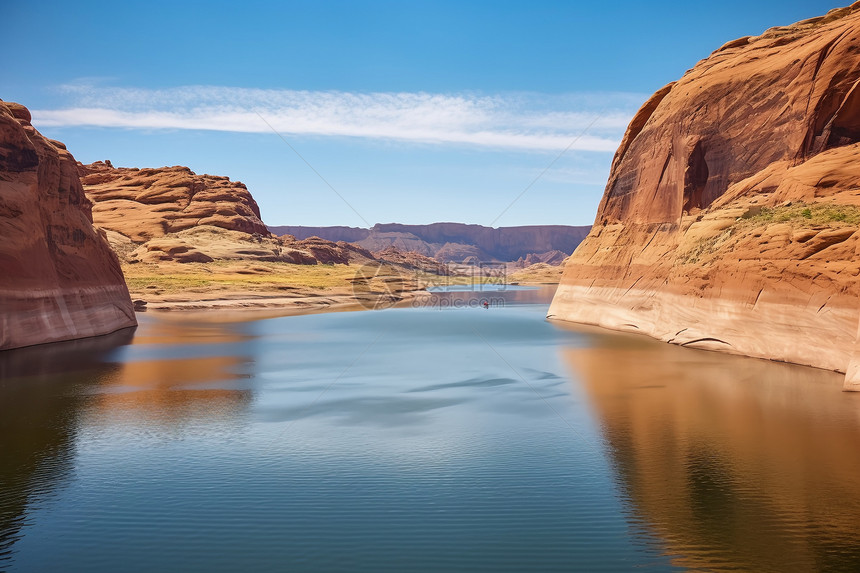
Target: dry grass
798,215
233,275
703,249
805,214
232,279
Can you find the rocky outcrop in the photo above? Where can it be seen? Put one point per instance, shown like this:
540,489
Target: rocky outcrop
329,253
171,214
729,219
411,260
59,279
549,258
150,203
454,242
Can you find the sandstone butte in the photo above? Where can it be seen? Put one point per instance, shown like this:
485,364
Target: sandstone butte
155,215
729,220
171,214
59,278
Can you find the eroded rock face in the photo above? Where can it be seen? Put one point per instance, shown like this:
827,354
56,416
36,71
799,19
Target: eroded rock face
411,260
729,219
59,278
154,215
144,204
171,214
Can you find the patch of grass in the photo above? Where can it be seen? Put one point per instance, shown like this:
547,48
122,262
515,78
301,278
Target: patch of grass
172,278
176,277
798,215
705,247
806,214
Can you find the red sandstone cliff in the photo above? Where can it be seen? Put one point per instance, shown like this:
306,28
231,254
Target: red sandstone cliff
729,219
59,279
150,203
161,214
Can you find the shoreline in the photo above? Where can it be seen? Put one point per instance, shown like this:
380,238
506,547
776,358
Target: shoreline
276,304
768,329
307,303
287,289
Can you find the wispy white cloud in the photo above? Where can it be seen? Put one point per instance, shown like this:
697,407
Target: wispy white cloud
516,121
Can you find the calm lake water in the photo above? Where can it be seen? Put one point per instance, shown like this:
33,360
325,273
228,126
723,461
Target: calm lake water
419,439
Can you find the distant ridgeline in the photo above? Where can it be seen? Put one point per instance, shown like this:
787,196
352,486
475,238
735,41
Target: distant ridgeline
457,242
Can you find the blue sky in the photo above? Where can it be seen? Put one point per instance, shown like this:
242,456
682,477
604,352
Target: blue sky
414,112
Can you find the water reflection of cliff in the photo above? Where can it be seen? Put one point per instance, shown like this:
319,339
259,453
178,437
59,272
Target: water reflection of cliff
40,395
734,462
166,395
49,393
169,378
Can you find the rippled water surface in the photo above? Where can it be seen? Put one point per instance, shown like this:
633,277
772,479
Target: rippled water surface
427,439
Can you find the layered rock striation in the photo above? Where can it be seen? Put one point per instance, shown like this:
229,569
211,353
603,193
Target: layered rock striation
151,203
729,221
171,214
59,279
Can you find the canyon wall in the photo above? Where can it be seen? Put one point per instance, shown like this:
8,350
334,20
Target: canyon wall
730,215
59,279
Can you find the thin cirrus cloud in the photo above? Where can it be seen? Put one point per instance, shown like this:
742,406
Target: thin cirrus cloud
587,122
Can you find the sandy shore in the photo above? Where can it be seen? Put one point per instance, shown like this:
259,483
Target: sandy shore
299,303
277,289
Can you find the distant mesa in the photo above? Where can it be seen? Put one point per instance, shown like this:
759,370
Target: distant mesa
458,242
59,278
729,221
